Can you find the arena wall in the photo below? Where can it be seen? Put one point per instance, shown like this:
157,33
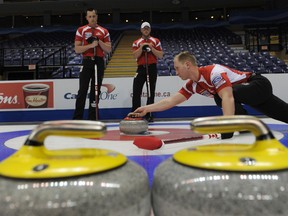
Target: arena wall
17,104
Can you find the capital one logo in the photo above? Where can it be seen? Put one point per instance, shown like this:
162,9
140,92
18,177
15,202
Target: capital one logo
107,94
109,87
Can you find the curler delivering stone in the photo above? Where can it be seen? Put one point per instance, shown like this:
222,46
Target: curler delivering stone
131,125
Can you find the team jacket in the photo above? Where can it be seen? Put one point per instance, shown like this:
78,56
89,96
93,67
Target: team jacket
152,59
212,79
84,32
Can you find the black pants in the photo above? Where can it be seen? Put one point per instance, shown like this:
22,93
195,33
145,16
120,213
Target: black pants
138,83
258,94
87,76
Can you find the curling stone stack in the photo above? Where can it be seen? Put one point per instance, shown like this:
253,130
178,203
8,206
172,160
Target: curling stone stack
130,125
224,179
37,181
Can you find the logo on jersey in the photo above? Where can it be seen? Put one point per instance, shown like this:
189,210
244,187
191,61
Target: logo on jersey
88,35
218,81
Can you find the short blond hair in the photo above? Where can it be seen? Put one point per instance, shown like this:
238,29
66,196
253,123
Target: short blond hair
186,56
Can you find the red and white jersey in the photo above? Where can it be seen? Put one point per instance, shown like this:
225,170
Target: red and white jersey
84,32
212,79
152,59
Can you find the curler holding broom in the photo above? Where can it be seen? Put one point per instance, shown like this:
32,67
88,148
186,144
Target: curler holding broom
146,50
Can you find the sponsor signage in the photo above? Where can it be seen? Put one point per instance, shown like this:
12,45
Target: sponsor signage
26,95
61,94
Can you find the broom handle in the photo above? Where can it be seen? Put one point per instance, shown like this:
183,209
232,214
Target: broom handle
192,138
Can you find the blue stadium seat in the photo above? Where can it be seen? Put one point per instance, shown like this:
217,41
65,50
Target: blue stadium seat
268,64
259,70
246,69
163,72
240,64
266,54
162,66
278,62
173,72
253,63
284,68
215,60
276,69
228,64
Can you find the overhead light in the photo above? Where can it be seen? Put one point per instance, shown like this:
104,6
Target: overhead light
175,2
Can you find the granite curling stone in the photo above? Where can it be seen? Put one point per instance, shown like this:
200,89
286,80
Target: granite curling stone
37,181
224,179
130,125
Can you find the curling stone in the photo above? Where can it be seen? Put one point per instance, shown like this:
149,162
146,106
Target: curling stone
86,181
131,125
224,179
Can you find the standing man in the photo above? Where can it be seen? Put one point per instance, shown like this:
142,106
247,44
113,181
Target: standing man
229,88
93,41
146,50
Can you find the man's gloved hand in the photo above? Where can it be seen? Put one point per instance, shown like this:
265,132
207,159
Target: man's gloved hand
91,39
226,135
146,48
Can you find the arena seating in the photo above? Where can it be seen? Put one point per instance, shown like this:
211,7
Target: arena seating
209,45
31,48
213,46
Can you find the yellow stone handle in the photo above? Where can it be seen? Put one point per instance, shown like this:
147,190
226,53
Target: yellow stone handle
225,124
69,128
34,161
265,154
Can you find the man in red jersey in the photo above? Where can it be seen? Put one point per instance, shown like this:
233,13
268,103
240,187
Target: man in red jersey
229,87
93,41
146,50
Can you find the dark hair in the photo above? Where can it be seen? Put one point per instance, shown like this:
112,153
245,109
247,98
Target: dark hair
90,10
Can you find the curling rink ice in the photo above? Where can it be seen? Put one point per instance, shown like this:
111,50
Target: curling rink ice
12,137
